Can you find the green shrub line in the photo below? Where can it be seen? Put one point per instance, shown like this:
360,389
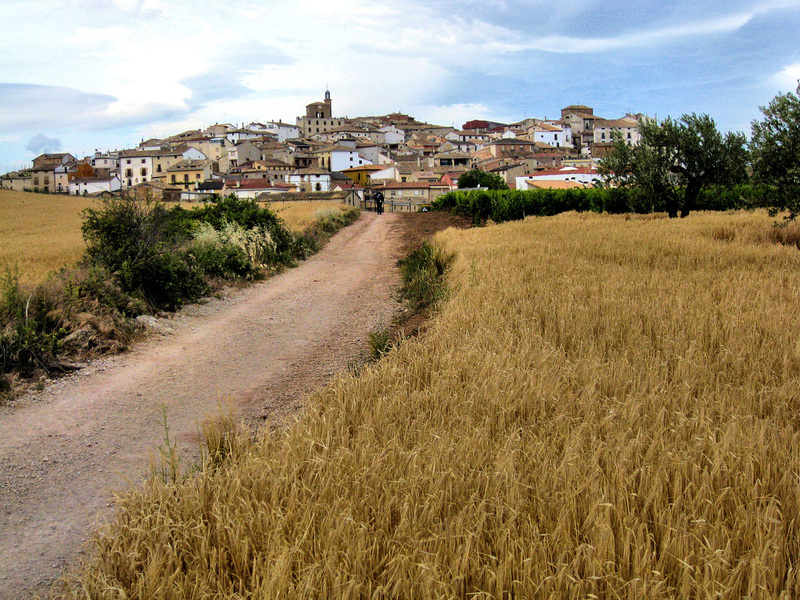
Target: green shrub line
510,205
142,258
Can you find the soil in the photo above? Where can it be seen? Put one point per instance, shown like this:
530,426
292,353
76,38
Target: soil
256,352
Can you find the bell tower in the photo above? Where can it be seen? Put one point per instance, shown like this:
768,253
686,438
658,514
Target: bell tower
328,107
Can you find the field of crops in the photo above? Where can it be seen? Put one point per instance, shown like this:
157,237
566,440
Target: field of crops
606,407
300,215
40,233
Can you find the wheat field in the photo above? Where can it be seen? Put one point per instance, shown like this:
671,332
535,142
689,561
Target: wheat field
299,215
605,407
40,233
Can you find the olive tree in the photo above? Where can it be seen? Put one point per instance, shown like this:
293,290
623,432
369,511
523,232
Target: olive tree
776,151
676,159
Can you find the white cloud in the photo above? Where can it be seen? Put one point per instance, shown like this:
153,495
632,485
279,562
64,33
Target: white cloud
787,79
453,114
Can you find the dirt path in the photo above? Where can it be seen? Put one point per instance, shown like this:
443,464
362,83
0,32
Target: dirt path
260,350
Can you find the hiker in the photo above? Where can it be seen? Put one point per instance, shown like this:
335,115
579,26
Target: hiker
378,202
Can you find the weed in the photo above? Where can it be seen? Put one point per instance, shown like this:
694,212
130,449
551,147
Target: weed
423,272
381,341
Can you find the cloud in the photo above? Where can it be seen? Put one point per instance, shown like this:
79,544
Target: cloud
40,144
788,78
24,107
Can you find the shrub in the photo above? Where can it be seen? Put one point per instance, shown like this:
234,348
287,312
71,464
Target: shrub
510,205
423,272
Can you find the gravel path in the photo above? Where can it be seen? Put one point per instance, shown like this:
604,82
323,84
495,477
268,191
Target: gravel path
259,351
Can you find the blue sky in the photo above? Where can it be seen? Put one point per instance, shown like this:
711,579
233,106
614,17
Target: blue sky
76,75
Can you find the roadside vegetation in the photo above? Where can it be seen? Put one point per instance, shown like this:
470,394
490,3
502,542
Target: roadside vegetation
142,258
605,406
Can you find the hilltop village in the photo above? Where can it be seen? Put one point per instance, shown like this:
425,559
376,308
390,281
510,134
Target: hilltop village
325,156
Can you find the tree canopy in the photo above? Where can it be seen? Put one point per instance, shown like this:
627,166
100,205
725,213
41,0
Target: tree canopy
676,159
476,178
776,151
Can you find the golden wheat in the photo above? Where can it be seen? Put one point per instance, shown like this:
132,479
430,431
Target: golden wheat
40,233
299,215
606,407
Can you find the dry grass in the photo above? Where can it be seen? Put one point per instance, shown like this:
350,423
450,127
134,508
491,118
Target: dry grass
605,408
40,233
300,215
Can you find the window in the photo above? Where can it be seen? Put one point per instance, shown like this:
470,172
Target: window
142,161
144,172
173,178
158,168
197,176
128,172
186,177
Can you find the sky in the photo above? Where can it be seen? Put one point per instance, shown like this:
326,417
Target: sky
81,75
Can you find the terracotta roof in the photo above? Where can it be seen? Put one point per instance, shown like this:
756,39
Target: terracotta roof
623,122
366,168
555,185
410,185
139,153
255,184
565,171
310,171
190,165
272,164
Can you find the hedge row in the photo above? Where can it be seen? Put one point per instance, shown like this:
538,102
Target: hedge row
509,205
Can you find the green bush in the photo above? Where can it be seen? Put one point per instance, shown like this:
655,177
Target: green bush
165,256
29,335
422,272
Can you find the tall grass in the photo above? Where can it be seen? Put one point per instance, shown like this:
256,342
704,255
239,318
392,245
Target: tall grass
606,407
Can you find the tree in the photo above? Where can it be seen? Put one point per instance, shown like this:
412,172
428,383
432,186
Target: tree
675,156
476,178
645,166
776,151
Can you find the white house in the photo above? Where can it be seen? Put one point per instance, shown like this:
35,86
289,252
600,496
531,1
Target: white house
390,173
586,176
94,185
136,166
339,158
284,131
310,180
253,188
392,136
109,160
552,135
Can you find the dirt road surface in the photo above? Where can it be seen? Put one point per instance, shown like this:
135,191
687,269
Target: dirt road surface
260,351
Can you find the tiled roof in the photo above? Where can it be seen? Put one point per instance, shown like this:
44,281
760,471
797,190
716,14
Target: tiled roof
411,185
555,185
190,165
566,171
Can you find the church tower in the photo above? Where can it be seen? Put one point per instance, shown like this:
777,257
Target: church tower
328,105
